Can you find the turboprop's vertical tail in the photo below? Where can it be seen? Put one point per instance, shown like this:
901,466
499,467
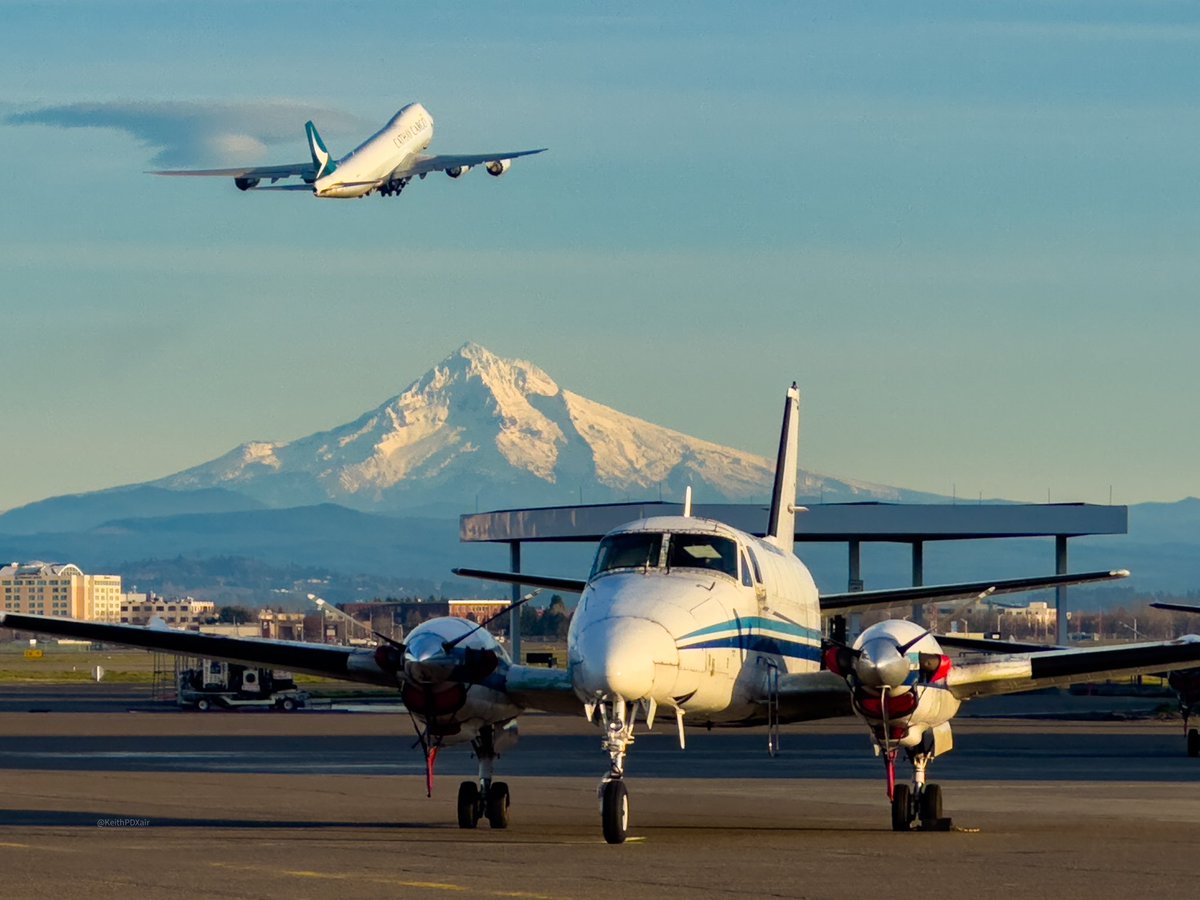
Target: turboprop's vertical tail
320,156
781,526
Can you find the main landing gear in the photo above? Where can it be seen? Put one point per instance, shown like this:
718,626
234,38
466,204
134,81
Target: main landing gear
394,187
612,793
921,803
485,797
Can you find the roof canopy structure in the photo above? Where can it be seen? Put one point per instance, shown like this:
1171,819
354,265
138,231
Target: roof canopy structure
906,523
853,523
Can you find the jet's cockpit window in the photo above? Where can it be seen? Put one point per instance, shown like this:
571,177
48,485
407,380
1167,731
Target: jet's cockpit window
703,551
633,550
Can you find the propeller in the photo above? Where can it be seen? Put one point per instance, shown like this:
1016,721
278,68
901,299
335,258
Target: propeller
451,644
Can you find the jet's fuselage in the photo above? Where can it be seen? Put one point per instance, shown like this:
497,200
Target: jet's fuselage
407,134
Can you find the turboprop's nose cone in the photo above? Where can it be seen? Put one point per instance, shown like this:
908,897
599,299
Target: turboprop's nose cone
623,658
426,660
880,664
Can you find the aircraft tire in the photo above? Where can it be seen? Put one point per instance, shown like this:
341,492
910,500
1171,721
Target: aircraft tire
1193,743
497,805
614,811
468,804
901,808
931,805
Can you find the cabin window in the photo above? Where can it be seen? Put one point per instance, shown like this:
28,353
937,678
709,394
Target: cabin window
632,550
703,551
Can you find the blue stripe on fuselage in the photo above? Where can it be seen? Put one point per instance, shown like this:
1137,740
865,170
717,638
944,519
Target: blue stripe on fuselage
758,635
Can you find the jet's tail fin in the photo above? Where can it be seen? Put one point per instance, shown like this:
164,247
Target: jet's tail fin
781,526
320,156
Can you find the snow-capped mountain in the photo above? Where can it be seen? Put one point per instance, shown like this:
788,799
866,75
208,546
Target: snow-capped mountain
478,430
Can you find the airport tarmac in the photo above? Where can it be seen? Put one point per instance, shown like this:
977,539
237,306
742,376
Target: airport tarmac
147,804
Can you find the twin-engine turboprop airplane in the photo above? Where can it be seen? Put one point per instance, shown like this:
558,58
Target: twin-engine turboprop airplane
688,617
385,162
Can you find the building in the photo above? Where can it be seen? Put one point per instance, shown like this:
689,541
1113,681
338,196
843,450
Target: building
177,612
59,589
1038,617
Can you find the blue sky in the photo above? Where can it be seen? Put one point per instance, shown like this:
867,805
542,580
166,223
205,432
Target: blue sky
968,230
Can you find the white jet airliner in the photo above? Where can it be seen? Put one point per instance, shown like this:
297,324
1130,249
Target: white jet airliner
385,162
699,621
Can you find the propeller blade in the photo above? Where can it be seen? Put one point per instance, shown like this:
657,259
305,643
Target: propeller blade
451,644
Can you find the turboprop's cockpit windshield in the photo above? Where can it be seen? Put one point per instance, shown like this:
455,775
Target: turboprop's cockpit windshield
644,550
632,550
703,551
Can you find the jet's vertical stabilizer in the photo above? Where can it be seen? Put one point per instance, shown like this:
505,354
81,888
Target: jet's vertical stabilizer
321,159
781,526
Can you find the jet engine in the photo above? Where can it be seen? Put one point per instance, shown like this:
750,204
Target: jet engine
244,184
459,171
498,167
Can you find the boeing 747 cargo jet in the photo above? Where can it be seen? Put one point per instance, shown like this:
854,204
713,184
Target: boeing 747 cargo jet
690,620
384,163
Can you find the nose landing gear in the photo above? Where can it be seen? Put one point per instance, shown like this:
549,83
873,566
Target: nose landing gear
612,793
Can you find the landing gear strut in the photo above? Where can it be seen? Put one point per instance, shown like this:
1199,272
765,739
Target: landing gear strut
485,797
616,717
921,803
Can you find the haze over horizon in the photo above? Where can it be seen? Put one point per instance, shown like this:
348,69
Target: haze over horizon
968,233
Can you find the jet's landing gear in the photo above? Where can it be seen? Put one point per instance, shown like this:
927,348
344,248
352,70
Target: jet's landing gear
616,718
921,803
485,797
394,187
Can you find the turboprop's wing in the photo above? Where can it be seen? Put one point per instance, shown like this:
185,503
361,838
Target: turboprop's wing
547,582
861,600
536,687
1009,674
348,663
813,695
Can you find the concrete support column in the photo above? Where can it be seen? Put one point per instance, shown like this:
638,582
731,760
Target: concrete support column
1060,592
514,615
918,579
855,583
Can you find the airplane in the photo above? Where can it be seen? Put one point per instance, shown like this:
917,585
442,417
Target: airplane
1186,684
384,163
687,615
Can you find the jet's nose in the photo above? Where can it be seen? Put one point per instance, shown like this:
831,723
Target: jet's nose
624,657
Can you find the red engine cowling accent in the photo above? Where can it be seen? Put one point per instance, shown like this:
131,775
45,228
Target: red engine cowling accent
431,704
834,657
389,658
898,705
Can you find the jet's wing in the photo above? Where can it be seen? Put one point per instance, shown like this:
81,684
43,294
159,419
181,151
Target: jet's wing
570,585
1054,668
861,600
423,165
813,695
536,687
272,173
348,663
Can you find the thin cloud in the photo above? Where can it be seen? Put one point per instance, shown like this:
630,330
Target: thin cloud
188,133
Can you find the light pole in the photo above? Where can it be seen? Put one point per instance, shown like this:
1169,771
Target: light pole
327,609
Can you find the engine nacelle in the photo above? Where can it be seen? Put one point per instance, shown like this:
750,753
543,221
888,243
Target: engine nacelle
458,171
498,167
244,184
